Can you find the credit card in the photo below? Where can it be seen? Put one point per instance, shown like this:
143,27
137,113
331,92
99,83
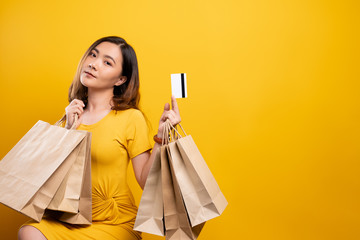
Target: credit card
178,85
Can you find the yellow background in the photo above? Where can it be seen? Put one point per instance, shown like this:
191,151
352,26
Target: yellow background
273,100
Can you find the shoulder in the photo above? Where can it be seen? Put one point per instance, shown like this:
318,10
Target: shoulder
130,117
128,114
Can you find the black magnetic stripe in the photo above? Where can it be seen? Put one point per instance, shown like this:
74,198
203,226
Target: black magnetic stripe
183,85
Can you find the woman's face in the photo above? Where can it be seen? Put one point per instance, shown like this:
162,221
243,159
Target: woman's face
102,67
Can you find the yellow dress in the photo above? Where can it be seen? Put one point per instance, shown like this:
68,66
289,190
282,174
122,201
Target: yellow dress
116,138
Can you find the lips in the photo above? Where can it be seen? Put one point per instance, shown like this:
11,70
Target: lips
90,74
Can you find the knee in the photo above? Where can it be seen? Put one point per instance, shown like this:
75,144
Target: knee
29,232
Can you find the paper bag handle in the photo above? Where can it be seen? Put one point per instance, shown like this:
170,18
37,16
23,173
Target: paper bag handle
175,129
170,132
64,117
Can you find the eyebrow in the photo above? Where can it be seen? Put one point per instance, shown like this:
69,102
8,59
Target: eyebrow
107,56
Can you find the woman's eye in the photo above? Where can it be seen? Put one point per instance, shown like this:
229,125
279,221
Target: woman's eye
92,54
107,63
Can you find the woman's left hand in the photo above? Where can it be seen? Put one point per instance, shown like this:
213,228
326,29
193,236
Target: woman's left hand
172,114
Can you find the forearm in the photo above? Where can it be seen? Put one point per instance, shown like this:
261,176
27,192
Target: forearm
143,166
147,166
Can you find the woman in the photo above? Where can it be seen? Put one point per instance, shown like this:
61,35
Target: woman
105,95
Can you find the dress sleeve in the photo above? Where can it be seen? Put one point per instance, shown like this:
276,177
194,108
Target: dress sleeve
137,136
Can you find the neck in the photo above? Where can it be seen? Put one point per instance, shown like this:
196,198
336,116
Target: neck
99,101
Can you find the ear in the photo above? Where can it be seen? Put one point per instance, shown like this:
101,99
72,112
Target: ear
121,80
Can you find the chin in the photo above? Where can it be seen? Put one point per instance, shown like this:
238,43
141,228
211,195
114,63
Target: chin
84,82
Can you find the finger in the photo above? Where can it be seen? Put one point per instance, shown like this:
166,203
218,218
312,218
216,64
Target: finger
78,112
81,109
76,109
74,102
77,106
166,115
77,102
167,107
174,117
171,115
174,104
81,103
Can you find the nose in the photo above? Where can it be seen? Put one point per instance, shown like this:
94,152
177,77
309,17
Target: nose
92,66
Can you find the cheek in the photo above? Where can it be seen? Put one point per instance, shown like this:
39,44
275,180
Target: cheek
111,74
85,63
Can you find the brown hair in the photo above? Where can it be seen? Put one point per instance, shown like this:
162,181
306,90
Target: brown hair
126,95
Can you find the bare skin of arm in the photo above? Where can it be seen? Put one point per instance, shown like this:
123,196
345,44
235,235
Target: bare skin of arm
143,162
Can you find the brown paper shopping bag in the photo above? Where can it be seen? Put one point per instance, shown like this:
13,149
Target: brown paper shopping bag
73,200
151,213
202,196
33,170
177,224
67,196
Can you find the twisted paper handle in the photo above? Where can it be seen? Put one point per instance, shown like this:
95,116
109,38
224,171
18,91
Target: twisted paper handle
74,123
171,133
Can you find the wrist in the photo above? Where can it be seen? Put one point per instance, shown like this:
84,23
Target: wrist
160,133
157,139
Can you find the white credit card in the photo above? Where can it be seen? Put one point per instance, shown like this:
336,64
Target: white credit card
178,85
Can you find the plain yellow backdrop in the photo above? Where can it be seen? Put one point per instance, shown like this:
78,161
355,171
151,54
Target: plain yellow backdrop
273,98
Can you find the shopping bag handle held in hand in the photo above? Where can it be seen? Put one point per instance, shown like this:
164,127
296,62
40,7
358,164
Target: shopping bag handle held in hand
74,123
171,133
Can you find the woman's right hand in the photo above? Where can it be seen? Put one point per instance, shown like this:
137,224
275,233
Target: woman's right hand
75,107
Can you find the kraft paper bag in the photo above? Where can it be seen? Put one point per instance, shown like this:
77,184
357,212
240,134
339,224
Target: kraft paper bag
177,223
67,196
33,170
151,213
201,193
76,191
